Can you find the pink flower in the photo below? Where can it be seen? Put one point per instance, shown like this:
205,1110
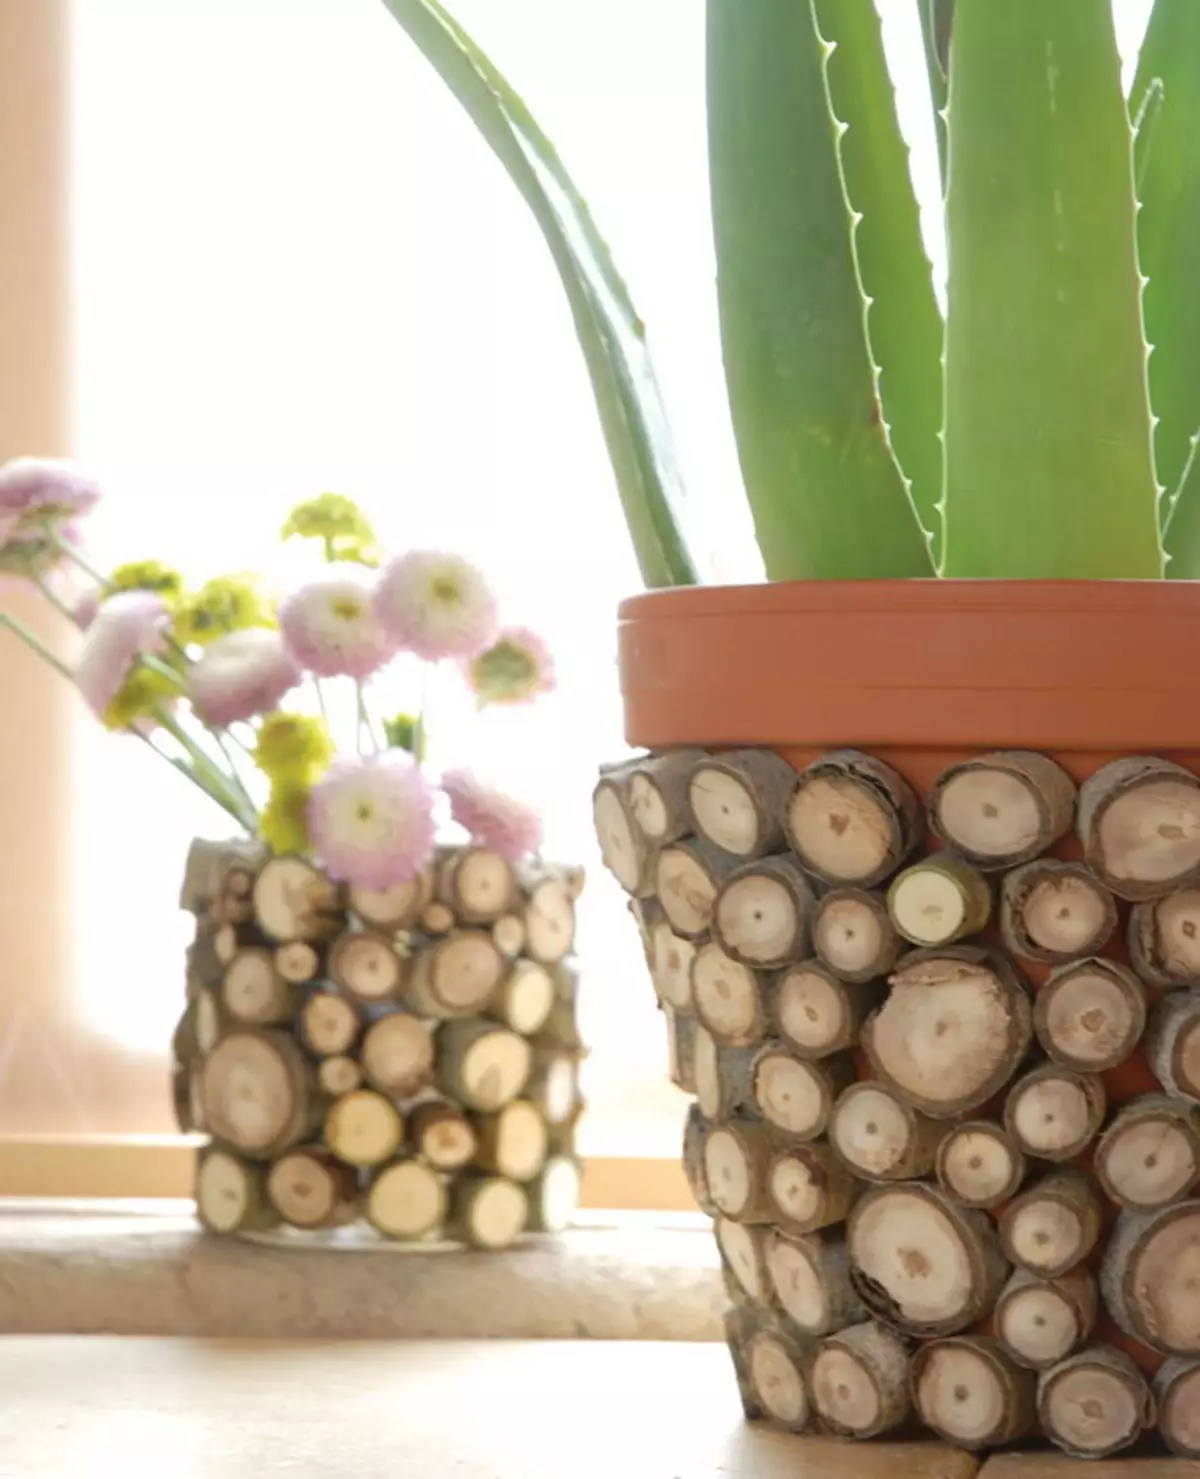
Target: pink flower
371,820
240,674
435,605
514,669
44,490
331,628
129,625
493,819
87,607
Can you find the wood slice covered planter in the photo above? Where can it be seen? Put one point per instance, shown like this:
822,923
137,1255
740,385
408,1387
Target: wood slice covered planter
372,1067
920,890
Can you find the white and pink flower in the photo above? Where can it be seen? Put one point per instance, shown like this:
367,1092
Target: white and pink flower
371,820
130,625
436,605
515,669
331,627
493,819
240,675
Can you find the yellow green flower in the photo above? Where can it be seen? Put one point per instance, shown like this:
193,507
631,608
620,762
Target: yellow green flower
341,526
293,748
405,733
228,603
143,689
149,575
284,821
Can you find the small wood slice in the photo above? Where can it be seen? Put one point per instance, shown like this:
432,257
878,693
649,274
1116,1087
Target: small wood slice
1150,1155
231,1195
623,846
1177,1391
1151,1277
796,1095
657,798
513,1142
809,1277
339,1075
880,1137
671,959
208,1020
853,935
328,1024
1173,1043
554,1196
207,865
525,998
809,1188
366,966
508,935
815,1013
295,901
1094,1403
256,1092
311,1189
1164,939
980,1164
971,1392
253,991
1004,808
388,910
397,1054
920,1262
488,1212
859,1380
1090,1015
688,875
298,962
483,1066
762,913
724,1077
1053,1113
553,1085
939,900
363,1128
737,1160
1139,823
456,977
1053,1225
477,884
728,998
775,1368
852,819
695,1134
681,1050
437,919
406,1200
741,1251
957,1023
549,917
1055,912
1041,1321
442,1135
737,800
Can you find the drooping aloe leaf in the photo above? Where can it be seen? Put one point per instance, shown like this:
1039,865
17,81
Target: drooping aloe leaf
904,323
827,494
937,19
609,329
1169,248
1048,442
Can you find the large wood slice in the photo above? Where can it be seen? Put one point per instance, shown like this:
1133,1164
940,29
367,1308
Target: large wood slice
231,1194
1164,939
859,1380
972,1393
406,1200
1139,822
456,977
1173,1042
255,992
1053,1225
1090,1014
852,819
1055,912
311,1188
1053,1113
1177,1391
623,846
481,1065
293,900
477,884
1150,1155
816,1013
688,876
729,998
1095,1403
1004,808
761,915
1041,1321
257,1093
363,1128
979,1163
1151,1277
657,795
391,909
880,1137
809,1277
796,1095
488,1212
549,915
737,800
397,1054
853,935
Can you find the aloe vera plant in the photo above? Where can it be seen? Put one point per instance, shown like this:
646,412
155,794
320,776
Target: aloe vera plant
1047,424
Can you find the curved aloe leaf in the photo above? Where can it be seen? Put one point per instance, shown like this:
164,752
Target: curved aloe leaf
937,19
904,322
1048,442
828,497
1166,97
610,332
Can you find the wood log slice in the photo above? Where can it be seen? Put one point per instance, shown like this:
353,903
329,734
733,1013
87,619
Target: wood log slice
406,1200
737,800
809,1188
310,1188
695,1134
658,795
257,1093
852,819
1090,1014
939,900
437,918
328,1024
549,916
623,846
741,1250
724,1077
1177,1394
762,913
524,999
209,1020
254,992
880,1137
488,1212
363,1128
815,1013
1094,1403
1172,1043
366,967
979,1163
339,1075
388,910
231,1194
293,900
298,962
1041,1321
554,1197
688,876
397,1054
553,1084
775,1367
1004,808
1150,1155
797,1095
920,1262
483,1066
508,935
456,977
737,1160
208,863
1151,1277
1053,1113
477,884
853,935
442,1136
1139,823
671,957
1164,939
1052,1225
514,1142
1055,912
729,999
808,1276
859,1381
681,1050
971,1392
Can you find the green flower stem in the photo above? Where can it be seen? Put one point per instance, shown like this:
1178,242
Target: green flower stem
56,600
218,796
65,547
212,778
421,727
32,640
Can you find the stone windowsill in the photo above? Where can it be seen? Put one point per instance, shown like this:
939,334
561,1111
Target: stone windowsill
147,1269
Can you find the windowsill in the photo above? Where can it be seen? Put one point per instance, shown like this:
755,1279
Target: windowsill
146,1268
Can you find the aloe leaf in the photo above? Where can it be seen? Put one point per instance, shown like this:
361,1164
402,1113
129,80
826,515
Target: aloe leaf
610,332
904,322
1144,122
1049,465
828,498
937,19
1169,249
